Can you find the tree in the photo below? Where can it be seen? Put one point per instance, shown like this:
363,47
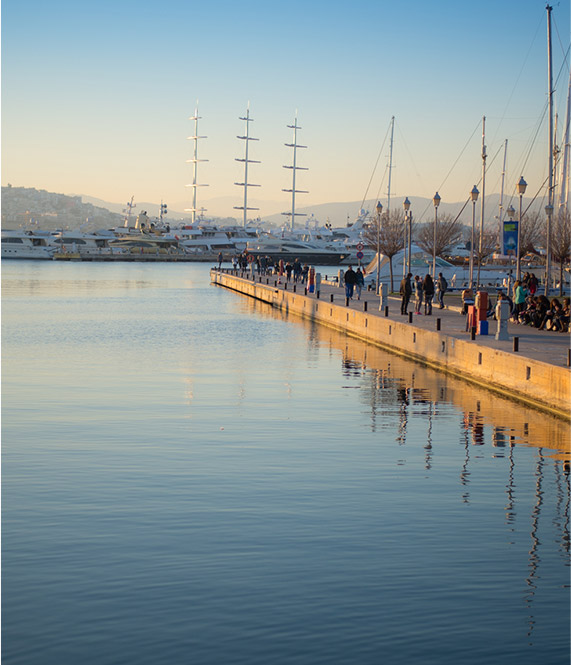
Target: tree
449,231
391,236
531,232
561,241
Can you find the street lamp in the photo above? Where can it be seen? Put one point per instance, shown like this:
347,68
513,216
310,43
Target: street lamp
549,213
474,197
379,211
436,201
521,187
408,222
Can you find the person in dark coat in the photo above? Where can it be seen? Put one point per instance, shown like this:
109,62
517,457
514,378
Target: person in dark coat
428,293
405,292
350,278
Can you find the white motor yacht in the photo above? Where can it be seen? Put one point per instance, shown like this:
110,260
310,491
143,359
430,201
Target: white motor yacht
21,244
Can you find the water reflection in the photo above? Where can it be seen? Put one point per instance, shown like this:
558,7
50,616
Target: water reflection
389,381
393,385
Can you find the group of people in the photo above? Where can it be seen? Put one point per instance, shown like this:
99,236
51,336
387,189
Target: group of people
537,310
354,282
424,290
265,265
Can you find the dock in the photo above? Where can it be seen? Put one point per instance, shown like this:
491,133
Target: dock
532,366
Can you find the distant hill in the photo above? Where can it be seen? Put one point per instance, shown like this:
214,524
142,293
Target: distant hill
23,206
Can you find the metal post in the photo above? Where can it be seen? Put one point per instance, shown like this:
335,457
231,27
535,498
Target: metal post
436,201
409,239
472,240
518,256
379,211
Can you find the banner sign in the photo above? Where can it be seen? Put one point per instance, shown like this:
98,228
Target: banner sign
510,239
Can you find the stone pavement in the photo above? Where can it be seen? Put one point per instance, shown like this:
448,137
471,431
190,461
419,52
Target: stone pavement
542,345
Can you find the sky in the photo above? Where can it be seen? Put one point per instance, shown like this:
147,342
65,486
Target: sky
96,98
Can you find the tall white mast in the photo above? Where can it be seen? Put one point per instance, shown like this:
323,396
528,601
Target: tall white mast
294,167
484,155
390,165
247,138
501,210
550,159
194,161
564,178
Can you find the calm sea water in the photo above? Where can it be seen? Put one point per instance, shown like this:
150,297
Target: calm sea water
188,477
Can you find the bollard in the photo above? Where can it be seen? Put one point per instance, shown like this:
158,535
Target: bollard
473,333
516,344
387,310
365,306
305,290
331,297
317,294
568,357
285,286
437,324
275,282
410,317
346,302
294,288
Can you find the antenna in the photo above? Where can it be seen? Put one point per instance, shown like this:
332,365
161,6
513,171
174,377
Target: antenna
293,214
247,138
195,161
128,210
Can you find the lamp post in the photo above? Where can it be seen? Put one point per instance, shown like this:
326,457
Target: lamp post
436,201
379,211
474,197
549,213
511,215
521,187
408,222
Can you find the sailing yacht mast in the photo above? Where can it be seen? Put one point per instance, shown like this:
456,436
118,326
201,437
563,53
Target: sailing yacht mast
390,165
550,161
247,138
501,211
194,161
564,178
294,167
484,155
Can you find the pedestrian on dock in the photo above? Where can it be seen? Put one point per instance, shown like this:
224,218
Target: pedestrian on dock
442,287
418,294
297,270
350,279
359,282
405,292
219,260
428,293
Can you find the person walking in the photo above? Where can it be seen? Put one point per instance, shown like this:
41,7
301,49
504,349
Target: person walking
418,294
219,260
350,278
442,286
405,292
428,293
359,282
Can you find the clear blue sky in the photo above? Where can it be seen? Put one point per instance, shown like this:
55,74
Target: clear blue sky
96,97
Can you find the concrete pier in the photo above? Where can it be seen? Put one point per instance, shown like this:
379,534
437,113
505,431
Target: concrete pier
537,373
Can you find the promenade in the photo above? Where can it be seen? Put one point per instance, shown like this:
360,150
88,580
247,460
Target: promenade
537,372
